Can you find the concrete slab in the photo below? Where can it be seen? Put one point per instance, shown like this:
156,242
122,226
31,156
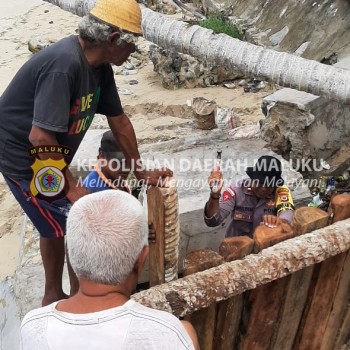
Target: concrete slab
292,96
344,63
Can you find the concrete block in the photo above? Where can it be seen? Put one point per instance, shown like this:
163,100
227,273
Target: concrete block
300,126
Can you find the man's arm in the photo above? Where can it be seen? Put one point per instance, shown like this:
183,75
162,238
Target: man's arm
284,204
192,333
124,134
212,206
42,137
216,211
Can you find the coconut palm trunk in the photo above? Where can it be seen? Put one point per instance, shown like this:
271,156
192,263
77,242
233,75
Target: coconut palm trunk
281,68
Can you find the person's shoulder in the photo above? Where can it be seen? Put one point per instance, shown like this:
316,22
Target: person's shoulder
283,188
162,329
37,314
62,55
63,46
141,309
236,187
162,323
163,318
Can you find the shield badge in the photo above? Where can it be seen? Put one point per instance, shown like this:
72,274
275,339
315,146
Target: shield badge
48,178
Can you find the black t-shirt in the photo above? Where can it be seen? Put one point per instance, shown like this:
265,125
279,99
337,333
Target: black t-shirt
56,90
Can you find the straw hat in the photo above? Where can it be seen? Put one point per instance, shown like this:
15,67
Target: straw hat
124,14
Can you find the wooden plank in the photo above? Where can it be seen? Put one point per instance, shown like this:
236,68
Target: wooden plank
314,277
229,311
263,310
265,302
338,329
292,312
203,320
156,217
307,219
265,237
344,332
227,322
318,314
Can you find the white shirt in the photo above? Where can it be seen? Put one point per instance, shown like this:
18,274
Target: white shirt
130,326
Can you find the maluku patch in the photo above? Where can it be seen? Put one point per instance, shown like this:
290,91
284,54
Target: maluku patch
228,194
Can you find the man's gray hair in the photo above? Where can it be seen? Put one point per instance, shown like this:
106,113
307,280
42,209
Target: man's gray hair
106,232
93,30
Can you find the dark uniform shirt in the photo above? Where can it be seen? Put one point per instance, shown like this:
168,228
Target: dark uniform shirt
247,210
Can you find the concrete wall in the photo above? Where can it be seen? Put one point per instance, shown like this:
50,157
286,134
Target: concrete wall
312,29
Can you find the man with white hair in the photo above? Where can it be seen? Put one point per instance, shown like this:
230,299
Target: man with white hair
107,243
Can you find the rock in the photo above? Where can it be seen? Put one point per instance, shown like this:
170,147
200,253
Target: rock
331,59
35,44
117,69
306,128
253,85
135,62
129,66
178,70
229,85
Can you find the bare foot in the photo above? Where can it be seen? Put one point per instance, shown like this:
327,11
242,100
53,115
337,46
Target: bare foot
52,297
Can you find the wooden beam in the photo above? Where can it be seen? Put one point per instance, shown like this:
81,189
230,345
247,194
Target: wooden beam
203,320
229,311
197,291
263,308
338,326
321,303
308,219
234,248
156,217
265,237
201,260
163,215
294,303
265,304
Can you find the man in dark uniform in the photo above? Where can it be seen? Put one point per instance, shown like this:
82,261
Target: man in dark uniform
261,198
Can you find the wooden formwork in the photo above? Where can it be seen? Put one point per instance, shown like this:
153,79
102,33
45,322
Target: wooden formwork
293,295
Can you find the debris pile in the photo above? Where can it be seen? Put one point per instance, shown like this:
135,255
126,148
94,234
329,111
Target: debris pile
178,70
328,186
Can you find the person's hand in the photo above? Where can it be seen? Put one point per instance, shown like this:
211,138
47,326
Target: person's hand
271,220
151,234
76,192
215,178
156,177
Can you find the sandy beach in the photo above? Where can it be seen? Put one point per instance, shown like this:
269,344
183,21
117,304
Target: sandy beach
154,111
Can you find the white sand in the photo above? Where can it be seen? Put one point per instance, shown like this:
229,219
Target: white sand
25,18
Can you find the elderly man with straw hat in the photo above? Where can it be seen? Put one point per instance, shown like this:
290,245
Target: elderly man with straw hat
44,114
